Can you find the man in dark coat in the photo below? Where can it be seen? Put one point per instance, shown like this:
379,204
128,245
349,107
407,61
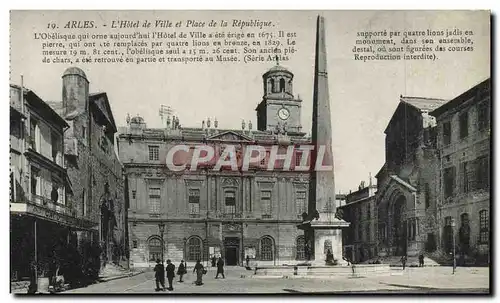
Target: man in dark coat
421,260
220,268
159,275
403,261
181,271
170,274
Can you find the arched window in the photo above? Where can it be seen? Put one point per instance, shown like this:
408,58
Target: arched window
273,86
194,249
266,249
300,246
282,85
154,249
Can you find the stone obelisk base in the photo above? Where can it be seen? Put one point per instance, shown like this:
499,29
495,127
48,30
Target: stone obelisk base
323,230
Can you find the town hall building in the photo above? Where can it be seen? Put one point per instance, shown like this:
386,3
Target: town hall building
195,215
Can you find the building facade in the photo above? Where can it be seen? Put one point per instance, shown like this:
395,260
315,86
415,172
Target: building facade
43,216
209,212
360,239
406,185
93,166
463,175
434,185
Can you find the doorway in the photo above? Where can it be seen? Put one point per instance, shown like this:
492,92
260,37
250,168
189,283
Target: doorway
231,256
231,249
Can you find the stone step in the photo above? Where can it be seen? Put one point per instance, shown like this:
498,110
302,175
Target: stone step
287,271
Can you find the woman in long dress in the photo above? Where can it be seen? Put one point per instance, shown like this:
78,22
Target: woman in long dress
198,268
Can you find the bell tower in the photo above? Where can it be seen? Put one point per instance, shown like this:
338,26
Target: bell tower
279,107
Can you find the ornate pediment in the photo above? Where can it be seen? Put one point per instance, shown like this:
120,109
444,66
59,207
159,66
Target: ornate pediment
231,227
229,182
230,136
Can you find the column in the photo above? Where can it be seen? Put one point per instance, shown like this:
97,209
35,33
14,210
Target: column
209,192
218,190
244,195
213,192
254,195
241,194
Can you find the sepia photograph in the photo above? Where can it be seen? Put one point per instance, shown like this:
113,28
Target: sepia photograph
293,152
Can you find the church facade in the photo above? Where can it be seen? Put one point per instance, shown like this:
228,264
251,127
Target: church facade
207,212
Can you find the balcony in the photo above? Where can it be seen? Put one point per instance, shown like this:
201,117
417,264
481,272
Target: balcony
56,207
39,206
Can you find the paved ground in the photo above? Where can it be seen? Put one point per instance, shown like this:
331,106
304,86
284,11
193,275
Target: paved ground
412,280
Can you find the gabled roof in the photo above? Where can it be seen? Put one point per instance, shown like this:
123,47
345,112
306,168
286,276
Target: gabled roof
423,104
42,107
418,104
102,102
382,169
403,183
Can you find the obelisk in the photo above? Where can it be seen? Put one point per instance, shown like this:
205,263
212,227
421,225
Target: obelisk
322,229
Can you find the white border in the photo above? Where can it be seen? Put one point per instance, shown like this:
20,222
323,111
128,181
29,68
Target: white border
188,4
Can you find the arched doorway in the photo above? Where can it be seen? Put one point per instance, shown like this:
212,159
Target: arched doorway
399,226
155,249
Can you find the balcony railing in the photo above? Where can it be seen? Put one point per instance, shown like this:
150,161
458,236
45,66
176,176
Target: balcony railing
57,207
231,215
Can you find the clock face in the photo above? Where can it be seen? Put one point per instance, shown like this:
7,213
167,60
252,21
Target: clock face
283,113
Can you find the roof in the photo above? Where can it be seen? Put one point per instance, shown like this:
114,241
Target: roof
74,71
403,182
419,104
104,107
423,104
198,133
484,85
382,169
277,68
41,106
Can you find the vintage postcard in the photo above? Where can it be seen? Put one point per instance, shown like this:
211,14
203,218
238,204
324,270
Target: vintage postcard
250,152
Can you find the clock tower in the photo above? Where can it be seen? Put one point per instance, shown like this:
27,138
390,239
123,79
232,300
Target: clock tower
279,107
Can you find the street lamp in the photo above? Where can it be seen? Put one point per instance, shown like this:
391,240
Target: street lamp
452,224
161,226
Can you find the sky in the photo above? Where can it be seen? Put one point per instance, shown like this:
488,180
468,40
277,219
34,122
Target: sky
363,96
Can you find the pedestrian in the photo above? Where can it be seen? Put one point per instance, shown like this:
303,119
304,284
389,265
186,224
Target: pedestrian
421,260
33,287
52,273
170,274
159,275
200,271
181,270
220,268
403,261
248,261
